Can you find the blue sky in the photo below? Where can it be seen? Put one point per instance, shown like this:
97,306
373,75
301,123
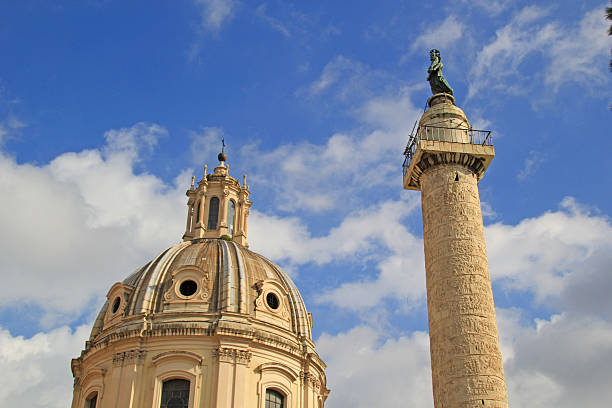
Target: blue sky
107,108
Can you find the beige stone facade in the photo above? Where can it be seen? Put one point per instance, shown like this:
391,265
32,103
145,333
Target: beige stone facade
226,323
446,165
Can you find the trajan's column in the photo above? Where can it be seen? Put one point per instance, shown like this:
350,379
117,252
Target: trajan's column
445,159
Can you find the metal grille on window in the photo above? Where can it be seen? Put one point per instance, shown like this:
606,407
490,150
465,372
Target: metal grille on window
175,394
213,213
231,210
274,399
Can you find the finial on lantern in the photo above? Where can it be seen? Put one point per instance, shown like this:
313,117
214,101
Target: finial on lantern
222,156
192,182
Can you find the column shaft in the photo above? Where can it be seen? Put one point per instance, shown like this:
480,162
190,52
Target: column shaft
466,360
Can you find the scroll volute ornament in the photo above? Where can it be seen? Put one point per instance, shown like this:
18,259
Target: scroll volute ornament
118,297
272,303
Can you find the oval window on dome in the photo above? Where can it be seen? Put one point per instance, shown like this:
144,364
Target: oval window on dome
272,301
213,213
188,287
231,211
116,304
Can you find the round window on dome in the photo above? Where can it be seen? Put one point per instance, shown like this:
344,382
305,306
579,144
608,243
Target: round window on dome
272,301
188,287
116,304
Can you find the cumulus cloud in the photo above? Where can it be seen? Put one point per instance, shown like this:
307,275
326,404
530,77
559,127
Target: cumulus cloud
318,177
562,361
82,222
543,254
441,35
356,233
204,143
563,54
366,369
42,363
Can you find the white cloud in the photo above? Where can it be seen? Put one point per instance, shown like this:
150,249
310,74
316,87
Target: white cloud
532,162
35,372
492,7
351,81
10,127
215,13
365,369
14,123
562,361
82,222
134,141
204,143
376,234
318,177
274,23
288,239
440,36
564,54
332,72
543,254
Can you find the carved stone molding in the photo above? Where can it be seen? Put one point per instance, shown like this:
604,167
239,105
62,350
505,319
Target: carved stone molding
129,357
310,379
233,355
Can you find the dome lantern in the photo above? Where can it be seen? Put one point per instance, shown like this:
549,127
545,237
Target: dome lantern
219,206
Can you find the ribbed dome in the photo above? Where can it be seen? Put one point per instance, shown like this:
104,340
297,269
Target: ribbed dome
201,282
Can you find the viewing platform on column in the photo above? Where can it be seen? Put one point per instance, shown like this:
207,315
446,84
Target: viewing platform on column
443,135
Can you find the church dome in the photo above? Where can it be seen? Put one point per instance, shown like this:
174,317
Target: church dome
197,282
206,324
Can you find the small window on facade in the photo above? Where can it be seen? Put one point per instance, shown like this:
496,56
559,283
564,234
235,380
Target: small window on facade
175,394
213,213
116,304
272,301
188,287
197,218
91,401
231,210
274,399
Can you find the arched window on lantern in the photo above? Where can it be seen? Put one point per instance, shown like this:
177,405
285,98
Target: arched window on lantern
231,211
92,401
213,213
175,394
274,399
197,218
